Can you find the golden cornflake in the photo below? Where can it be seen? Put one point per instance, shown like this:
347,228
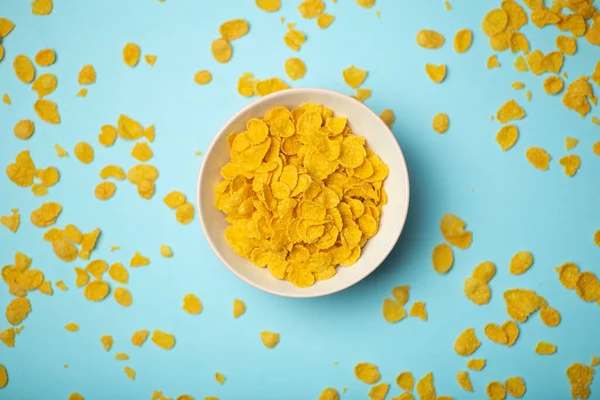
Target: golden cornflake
234,29
7,337
146,189
442,258
311,8
3,376
388,117
47,111
510,111
294,39
139,173
494,22
84,152
329,394
453,231
107,136
463,40
17,310
521,262
72,327
21,172
269,5
518,42
13,221
174,199
128,128
269,339
580,376
123,296
6,98
476,364
44,85
24,68
566,45
405,381
550,316
87,75
588,287
595,361
271,85
354,77
367,373
496,334
540,63
60,152
203,77
512,332
221,50
163,340
440,123
520,64
131,54
378,392
324,20
82,92
363,94
142,152
495,391
6,27
515,386
553,85
150,59
105,190
393,311
571,164
39,190
61,285
507,136
165,251
518,85
112,171
239,308
41,7
139,337
48,176
545,348
462,377
129,372
538,157
96,290
185,213
596,237
295,68
46,215
401,294
418,310
118,273
82,277
121,356
138,260
220,378
191,304
466,343
365,3
492,62
521,303
425,387
436,73
430,39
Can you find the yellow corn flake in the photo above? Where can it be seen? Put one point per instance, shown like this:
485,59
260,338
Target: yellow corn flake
271,85
570,143
521,262
84,152
295,68
87,75
294,39
393,311
466,343
123,296
588,287
495,391
142,152
24,129
165,251
463,40
507,136
436,73
107,136
494,22
596,237
492,62
518,42
329,394
520,64
81,278
41,7
185,213
545,348
191,304
139,173
453,231
512,332
354,77
163,340
3,376
324,20
426,388
571,164
239,308
595,361
540,63
553,85
131,54
174,199
365,3
515,386
139,337
269,5
13,221
82,92
476,364
566,45
378,392
518,85
6,27
363,94
149,133
418,310
44,85
462,377
388,117
7,337
24,68
269,339
538,157
203,77
405,381
97,268
60,152
130,372
96,290
6,99
401,294
367,373
550,316
521,303
220,378
595,120
150,59
221,50
17,310
477,291
442,258
112,171
496,334
121,356
311,8
72,327
47,111
138,260
75,396
146,189
48,176
430,39
440,122
234,29
61,285
46,215
128,129
39,190
105,190
118,273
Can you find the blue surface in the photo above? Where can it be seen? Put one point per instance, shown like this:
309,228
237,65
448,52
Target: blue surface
507,204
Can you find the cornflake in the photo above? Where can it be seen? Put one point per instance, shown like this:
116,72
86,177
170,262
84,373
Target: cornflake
425,387
47,111
41,7
269,339
220,378
174,199
430,39
388,117
129,372
453,231
553,85
507,136
324,20
13,221
46,215
221,50
185,213
81,277
203,77
121,356
588,287
566,45
96,290
142,152
492,62
401,294
512,332
82,92
442,258
61,285
131,54
518,85
295,68
112,171
495,391
6,99
436,73
496,334
234,29
378,392
476,364
24,68
17,310
365,3
44,85
191,304
418,310
466,343
367,373
139,337
521,262
105,190
550,316
329,394
107,135
440,123
165,251
580,376
239,308
123,296
571,164
354,77
87,75
515,386
405,381
163,340
269,5
393,311
520,64
60,152
463,40
84,152
538,157
545,348
150,59
494,22
72,327
138,260
294,39
311,8
462,377
521,303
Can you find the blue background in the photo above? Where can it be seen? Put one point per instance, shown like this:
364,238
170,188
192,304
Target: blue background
509,205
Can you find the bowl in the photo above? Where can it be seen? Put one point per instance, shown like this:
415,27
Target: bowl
363,122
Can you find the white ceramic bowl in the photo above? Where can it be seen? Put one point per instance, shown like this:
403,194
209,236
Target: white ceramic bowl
363,123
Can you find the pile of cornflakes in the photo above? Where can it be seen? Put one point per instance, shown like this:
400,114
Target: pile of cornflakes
302,193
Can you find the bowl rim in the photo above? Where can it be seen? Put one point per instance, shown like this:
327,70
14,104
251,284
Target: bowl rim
223,131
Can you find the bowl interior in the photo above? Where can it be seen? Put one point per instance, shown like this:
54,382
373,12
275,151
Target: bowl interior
363,122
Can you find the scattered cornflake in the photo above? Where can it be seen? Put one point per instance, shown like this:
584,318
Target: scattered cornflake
129,372
17,310
507,136
520,64
139,337
123,296
221,50
76,396
354,77
24,69
61,285
366,3
440,122
6,99
295,68
570,143
597,238
191,304
269,339
393,311
571,163
518,85
121,356
553,85
528,94
45,57
401,294
13,221
436,73
203,77
239,308
466,343
47,111
234,29
87,75
588,287
442,258
294,39
24,129
72,327
367,373
142,152
550,316
84,152
521,262
311,8
453,231
163,340
462,377
595,361
388,117
271,85
46,288
220,378
463,40
567,45
406,381
495,391
165,251
7,337
378,392
185,213
429,39
96,290
448,5
595,120
329,394
107,342
41,7
538,157
131,54
492,62
496,334
82,92
46,215
105,190
580,377
269,5
150,59
521,303
545,348
324,20
3,376
425,387
515,386
476,364
494,22
540,63
138,260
